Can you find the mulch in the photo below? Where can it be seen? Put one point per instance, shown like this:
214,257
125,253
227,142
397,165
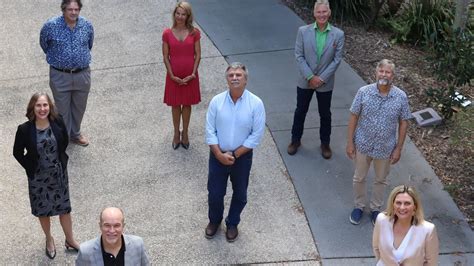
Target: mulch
450,155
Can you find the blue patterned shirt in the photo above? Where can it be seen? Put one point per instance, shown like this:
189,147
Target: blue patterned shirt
379,116
67,48
231,125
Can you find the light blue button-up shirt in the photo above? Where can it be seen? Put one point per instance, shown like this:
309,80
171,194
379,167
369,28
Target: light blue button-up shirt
231,125
376,130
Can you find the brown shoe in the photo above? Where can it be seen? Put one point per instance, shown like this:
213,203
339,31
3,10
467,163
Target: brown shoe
81,141
293,147
232,233
326,151
211,230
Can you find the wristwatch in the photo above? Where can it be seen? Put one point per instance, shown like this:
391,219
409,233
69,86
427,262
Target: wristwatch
233,155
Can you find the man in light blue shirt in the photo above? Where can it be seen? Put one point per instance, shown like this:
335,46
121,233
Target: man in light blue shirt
235,124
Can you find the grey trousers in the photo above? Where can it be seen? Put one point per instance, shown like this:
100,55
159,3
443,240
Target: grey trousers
70,92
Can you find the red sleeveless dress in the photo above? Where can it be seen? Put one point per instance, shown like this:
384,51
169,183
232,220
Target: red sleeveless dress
181,56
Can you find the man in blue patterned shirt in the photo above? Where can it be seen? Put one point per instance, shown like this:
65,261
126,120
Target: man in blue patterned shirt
67,42
235,124
376,112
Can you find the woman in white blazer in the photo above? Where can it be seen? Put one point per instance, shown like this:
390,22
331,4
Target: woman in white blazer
401,235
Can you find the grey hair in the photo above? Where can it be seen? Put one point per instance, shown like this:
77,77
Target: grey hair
237,65
386,62
322,2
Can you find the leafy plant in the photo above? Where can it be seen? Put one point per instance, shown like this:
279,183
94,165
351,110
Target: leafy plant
453,57
358,10
444,100
422,21
452,62
344,10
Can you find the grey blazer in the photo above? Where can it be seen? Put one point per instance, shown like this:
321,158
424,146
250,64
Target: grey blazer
307,57
90,252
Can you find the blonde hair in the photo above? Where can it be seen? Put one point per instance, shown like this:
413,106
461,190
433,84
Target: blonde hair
390,212
189,12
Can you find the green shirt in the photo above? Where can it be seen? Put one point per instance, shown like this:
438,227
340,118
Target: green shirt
320,41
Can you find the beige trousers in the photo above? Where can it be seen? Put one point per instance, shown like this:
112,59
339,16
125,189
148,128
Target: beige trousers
381,169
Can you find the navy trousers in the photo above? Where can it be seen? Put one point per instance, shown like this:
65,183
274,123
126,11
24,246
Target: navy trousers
217,184
303,99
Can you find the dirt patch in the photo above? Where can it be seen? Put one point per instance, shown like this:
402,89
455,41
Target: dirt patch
451,160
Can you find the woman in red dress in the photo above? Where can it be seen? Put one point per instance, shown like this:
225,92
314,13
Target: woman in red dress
181,55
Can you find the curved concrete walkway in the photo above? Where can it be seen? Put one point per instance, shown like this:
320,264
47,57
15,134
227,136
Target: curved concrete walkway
261,34
130,162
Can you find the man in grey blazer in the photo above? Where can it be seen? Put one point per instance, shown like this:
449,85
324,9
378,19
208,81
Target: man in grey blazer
318,52
112,247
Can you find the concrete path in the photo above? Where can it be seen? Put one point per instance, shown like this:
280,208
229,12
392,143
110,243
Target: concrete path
130,162
261,34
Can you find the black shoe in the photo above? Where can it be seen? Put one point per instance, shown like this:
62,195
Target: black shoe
232,233
293,147
50,254
175,145
211,230
70,247
185,146
326,151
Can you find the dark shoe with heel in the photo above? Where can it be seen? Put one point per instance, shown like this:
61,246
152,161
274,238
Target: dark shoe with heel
232,233
50,254
184,144
175,145
293,147
70,247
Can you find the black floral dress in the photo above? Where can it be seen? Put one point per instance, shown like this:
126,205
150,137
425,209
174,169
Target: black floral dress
48,189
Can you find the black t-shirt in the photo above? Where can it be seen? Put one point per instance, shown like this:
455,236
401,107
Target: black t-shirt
109,259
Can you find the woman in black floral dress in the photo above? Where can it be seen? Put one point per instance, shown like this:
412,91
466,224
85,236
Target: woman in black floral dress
44,137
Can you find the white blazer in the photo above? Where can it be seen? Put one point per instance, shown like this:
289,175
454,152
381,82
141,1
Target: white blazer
422,248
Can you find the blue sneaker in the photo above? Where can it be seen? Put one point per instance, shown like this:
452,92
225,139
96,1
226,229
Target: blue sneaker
356,215
373,216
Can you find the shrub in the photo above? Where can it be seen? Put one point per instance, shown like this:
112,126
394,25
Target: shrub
344,10
422,21
452,58
357,10
452,62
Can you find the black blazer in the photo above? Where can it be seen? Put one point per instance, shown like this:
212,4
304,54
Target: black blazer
25,138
